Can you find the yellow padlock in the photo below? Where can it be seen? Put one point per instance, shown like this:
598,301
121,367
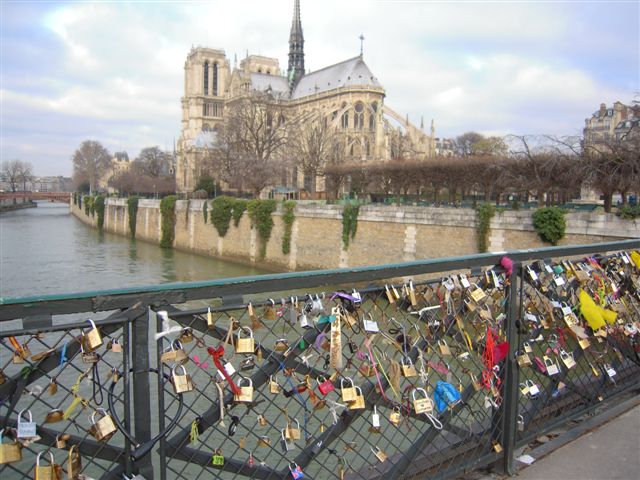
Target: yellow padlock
181,382
245,345
246,393
103,429
92,339
10,452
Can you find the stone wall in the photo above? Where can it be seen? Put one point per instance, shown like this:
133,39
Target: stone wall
386,234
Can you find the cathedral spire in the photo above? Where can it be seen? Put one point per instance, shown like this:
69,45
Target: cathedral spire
296,47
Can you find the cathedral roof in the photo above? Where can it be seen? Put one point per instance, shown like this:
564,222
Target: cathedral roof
350,73
262,82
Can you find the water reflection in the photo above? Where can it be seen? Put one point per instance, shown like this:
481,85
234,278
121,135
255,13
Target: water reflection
46,250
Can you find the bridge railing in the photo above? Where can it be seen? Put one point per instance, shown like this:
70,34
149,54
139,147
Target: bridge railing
472,357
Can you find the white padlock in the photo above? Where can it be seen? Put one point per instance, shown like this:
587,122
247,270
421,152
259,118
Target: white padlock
230,371
375,418
26,429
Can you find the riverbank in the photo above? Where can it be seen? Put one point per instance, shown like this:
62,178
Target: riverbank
17,206
385,234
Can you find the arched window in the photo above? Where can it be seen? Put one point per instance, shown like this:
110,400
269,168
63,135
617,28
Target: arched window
206,78
215,79
345,119
372,122
358,117
281,120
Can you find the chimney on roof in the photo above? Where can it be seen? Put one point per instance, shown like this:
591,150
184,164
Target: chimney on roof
603,109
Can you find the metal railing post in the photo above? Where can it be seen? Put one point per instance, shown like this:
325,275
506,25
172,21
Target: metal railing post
510,399
141,398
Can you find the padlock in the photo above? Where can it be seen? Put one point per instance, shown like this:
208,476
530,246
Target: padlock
103,429
296,471
273,385
26,429
245,345
116,346
527,347
523,359
444,348
358,403
181,382
186,336
246,393
263,441
408,369
247,364
422,405
611,372
524,389
174,353
478,294
262,421
87,355
229,368
217,459
375,418
395,416
49,472
286,446
325,386
304,321
551,367
496,446
369,324
61,440
9,452
380,455
532,387
281,345
53,416
74,463
291,432
520,423
269,312
92,339
567,359
348,393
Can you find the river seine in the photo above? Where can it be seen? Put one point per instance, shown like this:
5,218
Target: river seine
46,250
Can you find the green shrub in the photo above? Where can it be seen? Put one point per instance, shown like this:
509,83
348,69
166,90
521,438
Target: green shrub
132,208
550,224
168,214
629,212
288,217
260,214
207,184
204,211
349,223
239,206
87,200
221,208
98,206
484,214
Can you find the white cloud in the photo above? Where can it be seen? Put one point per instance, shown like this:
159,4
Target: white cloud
492,67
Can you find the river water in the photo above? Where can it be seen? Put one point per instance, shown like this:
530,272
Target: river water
46,250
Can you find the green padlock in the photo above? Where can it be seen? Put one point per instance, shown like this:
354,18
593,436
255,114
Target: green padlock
217,460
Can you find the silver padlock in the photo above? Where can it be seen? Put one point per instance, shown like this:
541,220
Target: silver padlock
230,371
26,429
286,446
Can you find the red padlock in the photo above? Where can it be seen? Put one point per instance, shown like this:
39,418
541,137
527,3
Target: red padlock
325,386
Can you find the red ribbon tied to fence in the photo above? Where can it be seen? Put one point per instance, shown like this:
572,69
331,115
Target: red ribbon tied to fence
216,354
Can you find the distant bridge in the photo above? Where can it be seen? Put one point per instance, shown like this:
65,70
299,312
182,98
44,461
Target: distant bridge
19,197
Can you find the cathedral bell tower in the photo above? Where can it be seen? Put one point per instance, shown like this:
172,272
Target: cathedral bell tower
296,48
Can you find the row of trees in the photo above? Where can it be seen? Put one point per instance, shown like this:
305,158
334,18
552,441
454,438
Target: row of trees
17,173
149,173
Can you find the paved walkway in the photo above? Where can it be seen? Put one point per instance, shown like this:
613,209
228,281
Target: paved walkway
610,452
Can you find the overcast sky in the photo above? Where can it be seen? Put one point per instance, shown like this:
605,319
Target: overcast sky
113,71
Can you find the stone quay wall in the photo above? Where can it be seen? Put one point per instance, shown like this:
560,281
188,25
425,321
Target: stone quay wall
385,234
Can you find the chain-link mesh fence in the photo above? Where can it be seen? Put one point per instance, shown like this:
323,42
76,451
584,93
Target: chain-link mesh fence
395,378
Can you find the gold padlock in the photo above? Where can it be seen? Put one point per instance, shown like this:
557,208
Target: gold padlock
61,440
291,432
92,339
245,345
422,405
380,455
408,369
358,403
174,353
523,359
246,393
74,463
269,312
444,348
181,383
478,294
273,385
348,393
103,429
49,472
186,336
10,452
395,416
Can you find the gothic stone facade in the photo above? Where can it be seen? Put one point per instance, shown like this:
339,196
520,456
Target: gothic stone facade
347,93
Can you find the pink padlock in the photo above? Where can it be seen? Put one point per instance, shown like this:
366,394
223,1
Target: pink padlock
325,386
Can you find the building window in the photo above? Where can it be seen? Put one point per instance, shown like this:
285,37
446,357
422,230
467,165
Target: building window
358,117
345,120
212,109
206,78
215,79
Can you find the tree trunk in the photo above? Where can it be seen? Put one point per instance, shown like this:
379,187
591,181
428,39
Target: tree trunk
624,197
608,200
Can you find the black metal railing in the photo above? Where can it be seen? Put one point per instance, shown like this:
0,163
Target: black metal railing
455,363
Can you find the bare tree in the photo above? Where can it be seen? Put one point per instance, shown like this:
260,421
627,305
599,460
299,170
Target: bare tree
463,144
152,162
14,172
251,147
90,161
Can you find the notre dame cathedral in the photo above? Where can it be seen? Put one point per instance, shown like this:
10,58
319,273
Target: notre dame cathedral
347,94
